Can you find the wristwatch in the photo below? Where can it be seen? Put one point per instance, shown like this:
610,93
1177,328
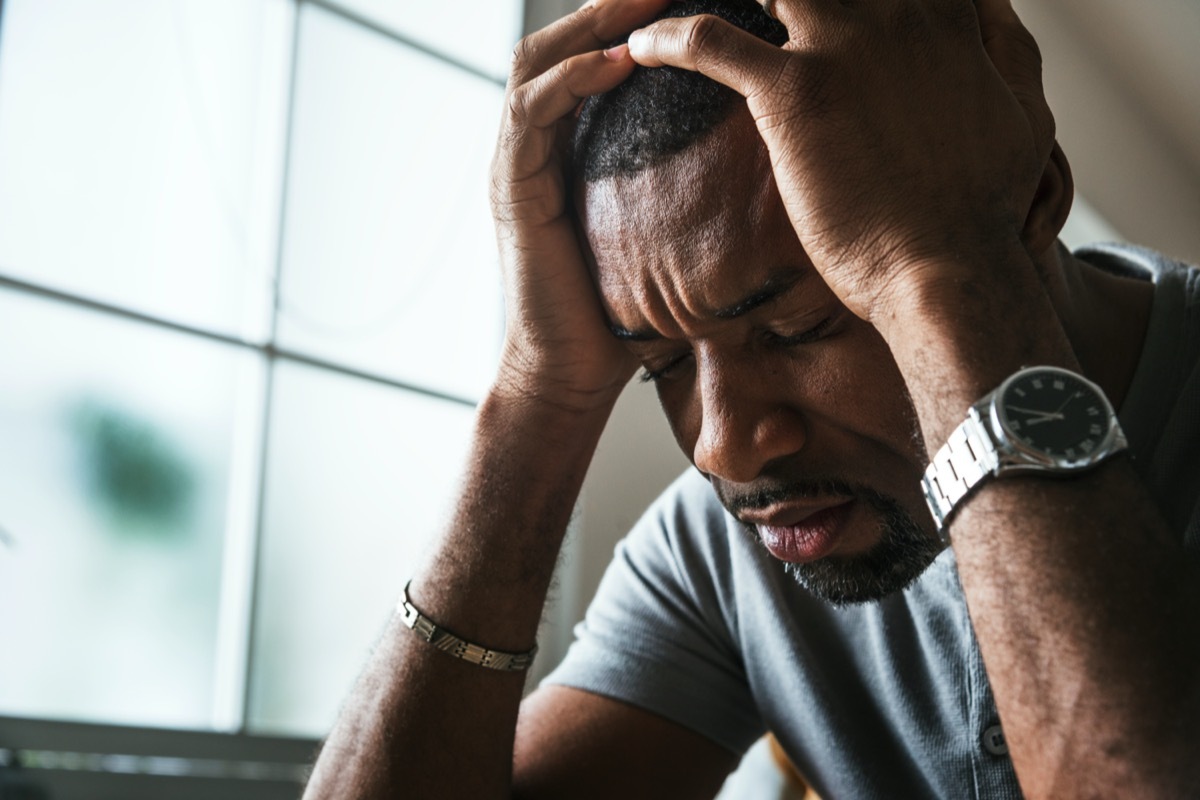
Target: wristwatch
1041,420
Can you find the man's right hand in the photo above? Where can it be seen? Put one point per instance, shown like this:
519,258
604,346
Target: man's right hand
417,715
557,346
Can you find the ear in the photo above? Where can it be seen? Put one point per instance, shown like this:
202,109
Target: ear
1051,204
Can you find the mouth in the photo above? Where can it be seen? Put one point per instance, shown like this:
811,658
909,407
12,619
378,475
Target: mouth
800,532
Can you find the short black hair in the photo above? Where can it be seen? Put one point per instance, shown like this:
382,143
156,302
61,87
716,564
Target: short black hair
656,113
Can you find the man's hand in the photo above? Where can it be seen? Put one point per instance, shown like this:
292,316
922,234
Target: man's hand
557,346
899,130
914,151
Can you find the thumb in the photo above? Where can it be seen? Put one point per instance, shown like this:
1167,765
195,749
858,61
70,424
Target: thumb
711,46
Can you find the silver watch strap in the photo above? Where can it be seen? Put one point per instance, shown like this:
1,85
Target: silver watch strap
447,642
962,462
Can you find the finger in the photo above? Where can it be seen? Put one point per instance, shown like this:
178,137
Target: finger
556,93
711,46
592,27
800,17
1016,56
531,134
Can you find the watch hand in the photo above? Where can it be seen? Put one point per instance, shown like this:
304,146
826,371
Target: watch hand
1047,414
1064,402
1040,420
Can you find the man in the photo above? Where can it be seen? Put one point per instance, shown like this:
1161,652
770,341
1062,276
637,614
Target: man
821,279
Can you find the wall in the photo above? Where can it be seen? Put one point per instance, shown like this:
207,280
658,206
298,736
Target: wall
1124,82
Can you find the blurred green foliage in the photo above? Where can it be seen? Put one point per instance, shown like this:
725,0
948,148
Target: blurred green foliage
133,470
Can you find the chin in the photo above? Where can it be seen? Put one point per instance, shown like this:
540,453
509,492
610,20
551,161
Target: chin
902,553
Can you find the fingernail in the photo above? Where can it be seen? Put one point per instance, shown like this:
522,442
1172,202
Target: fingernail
617,53
635,40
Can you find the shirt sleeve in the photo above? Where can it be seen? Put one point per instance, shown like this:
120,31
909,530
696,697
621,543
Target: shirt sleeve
660,633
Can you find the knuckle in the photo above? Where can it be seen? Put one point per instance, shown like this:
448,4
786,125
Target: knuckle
700,33
496,188
536,51
527,103
559,74
908,21
961,17
524,55
1015,43
1027,46
519,101
508,148
1049,125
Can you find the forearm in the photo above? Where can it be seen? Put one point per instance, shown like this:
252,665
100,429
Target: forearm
421,723
1084,618
1079,594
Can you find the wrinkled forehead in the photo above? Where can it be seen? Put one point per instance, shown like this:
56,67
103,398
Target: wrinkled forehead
697,217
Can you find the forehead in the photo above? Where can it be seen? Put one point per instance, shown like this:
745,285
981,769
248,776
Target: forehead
692,234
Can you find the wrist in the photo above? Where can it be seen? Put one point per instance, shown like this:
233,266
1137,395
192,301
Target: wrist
551,427
570,393
931,284
959,327
488,577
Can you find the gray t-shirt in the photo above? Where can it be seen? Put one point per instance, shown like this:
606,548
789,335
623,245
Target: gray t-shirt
696,622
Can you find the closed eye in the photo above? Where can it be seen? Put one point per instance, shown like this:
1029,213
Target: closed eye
657,374
813,334
822,329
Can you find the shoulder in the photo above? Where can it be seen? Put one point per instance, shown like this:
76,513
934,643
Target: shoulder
684,549
686,526
1159,413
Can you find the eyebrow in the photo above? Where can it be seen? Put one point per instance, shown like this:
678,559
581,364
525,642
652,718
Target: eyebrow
774,286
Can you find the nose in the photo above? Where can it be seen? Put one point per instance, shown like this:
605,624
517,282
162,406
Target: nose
745,422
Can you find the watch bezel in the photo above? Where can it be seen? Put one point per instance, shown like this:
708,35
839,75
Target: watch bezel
1016,456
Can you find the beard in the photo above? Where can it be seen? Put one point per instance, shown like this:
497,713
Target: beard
904,550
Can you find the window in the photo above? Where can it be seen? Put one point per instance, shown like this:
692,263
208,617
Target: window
248,298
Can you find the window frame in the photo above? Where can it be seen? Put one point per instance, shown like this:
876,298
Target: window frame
228,740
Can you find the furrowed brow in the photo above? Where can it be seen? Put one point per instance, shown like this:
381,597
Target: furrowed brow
771,289
777,284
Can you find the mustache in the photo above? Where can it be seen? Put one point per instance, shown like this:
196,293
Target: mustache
766,496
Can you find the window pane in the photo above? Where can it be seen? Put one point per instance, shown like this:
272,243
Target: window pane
481,33
359,478
139,152
114,491
389,254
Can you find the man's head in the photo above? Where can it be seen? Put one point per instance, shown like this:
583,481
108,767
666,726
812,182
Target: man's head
656,113
791,406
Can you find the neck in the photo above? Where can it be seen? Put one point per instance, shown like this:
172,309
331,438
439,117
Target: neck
1104,315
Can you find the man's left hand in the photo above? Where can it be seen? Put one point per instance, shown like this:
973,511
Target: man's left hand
900,132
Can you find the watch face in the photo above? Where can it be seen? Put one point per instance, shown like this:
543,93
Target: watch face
1054,412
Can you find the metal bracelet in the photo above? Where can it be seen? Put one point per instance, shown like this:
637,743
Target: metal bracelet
448,643
963,461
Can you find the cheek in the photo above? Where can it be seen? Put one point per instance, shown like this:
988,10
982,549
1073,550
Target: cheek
859,388
681,405
685,425
848,385
751,388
